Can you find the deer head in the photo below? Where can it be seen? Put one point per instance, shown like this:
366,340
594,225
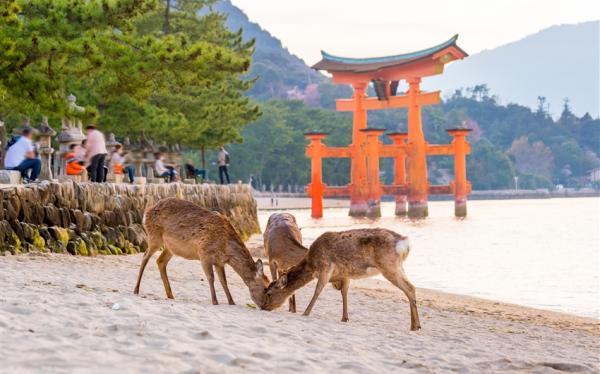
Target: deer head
258,286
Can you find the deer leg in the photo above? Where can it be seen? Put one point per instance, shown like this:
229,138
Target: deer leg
154,245
345,285
223,280
162,262
399,279
210,276
324,276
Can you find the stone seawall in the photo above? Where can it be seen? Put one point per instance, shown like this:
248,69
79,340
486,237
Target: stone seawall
88,218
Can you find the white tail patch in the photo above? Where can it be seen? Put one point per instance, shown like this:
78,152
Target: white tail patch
402,246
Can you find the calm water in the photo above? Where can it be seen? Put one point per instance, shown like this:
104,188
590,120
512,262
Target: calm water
539,253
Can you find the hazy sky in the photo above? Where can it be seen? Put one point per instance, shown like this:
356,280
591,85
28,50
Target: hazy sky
363,28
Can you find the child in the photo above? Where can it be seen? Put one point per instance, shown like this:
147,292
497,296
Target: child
74,162
117,161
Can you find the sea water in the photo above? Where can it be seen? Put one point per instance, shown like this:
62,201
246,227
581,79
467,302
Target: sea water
541,253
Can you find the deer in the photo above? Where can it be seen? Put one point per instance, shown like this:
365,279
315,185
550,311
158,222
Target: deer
283,247
190,231
338,257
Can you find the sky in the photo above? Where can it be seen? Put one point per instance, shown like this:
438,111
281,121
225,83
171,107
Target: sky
360,28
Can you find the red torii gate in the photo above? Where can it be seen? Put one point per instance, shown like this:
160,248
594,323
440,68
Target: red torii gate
410,185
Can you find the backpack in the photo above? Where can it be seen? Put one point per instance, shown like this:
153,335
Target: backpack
13,139
227,158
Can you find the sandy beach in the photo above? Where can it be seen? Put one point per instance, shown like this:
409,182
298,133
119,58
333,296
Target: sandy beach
61,313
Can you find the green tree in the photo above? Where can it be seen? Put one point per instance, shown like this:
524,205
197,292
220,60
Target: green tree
45,44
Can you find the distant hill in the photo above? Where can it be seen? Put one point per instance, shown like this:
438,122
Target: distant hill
282,74
558,62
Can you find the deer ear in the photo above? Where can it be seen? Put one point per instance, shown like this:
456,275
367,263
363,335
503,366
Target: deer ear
281,281
259,268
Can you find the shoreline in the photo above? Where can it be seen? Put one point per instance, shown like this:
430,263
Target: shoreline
71,313
476,305
301,201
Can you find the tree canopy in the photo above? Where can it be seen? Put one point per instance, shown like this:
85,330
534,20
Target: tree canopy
139,66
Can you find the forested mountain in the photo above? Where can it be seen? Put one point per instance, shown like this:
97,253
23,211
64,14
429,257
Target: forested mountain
282,74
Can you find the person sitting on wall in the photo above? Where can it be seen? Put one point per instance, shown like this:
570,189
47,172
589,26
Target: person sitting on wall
21,157
74,161
191,172
117,163
164,170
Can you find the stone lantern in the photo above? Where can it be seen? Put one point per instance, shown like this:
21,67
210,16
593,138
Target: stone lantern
45,134
111,142
71,131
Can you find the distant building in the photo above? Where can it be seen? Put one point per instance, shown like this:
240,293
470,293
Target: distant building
595,175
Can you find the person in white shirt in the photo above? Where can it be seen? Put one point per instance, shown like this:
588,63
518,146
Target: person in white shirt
117,163
95,147
223,165
21,156
164,170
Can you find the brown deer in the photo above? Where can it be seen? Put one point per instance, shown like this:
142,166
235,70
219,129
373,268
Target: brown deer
187,230
338,257
283,246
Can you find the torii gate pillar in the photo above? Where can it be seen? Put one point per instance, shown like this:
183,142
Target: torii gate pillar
417,156
358,187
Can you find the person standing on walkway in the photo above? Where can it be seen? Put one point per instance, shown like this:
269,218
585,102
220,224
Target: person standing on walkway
95,147
20,156
223,165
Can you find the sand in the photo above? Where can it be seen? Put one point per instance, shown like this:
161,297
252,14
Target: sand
61,313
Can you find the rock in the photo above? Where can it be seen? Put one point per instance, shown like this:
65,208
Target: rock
52,216
28,231
38,242
60,235
10,177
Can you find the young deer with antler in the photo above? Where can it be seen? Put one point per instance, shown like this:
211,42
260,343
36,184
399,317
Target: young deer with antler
338,257
283,246
187,230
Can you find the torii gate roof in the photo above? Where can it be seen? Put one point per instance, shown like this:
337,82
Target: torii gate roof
444,52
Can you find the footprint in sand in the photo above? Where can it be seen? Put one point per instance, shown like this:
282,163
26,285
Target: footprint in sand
261,355
202,335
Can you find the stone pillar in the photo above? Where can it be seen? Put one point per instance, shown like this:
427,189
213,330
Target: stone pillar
315,152
45,134
461,185
111,142
399,139
71,132
418,187
373,183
